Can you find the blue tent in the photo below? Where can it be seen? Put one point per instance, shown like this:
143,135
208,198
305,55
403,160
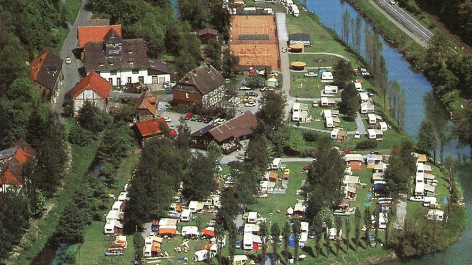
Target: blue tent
445,200
291,241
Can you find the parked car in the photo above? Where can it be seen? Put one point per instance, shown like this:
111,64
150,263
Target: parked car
201,118
188,116
169,91
207,119
167,119
238,243
68,60
195,117
241,230
357,135
252,94
250,104
265,89
310,74
244,88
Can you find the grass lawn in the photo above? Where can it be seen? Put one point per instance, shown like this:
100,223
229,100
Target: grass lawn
96,243
39,233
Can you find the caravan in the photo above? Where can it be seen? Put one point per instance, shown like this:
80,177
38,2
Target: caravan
200,255
247,242
276,164
186,215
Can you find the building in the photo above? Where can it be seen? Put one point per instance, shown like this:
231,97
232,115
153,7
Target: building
95,30
299,38
145,108
12,161
208,34
202,86
123,62
151,129
46,74
228,133
92,88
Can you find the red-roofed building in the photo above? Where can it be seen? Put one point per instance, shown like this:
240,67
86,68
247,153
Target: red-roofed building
148,130
95,33
12,161
93,88
46,74
145,108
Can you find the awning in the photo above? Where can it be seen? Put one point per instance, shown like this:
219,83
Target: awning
296,46
298,64
167,231
207,232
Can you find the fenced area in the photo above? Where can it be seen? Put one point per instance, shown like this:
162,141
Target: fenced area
254,40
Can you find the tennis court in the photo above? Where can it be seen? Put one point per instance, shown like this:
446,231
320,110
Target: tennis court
254,40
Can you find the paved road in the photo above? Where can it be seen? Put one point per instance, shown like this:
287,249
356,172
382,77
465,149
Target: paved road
71,74
400,213
403,21
284,61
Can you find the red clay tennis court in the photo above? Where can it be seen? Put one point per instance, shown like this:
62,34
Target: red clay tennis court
254,40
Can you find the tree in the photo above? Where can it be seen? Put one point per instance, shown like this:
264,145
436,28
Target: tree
138,243
219,234
199,181
367,224
271,114
263,234
232,239
357,219
286,232
296,236
346,18
275,233
91,118
343,73
349,102
427,140
339,226
347,226
402,165
229,206
376,214
257,152
323,181
214,152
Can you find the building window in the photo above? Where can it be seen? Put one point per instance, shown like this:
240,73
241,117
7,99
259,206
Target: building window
110,80
113,72
135,71
129,80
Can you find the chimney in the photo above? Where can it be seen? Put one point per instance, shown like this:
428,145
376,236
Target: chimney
208,67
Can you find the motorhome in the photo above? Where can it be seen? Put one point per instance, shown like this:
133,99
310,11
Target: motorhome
186,215
247,242
276,163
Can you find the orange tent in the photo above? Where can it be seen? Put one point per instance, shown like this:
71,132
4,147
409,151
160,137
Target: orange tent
167,231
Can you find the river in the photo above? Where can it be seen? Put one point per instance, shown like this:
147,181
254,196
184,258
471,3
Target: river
416,88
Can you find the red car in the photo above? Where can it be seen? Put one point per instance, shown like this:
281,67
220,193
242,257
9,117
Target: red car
188,116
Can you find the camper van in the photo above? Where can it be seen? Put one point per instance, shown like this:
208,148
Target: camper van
371,119
195,206
252,217
247,242
295,11
186,215
383,126
239,259
276,163
200,255
435,214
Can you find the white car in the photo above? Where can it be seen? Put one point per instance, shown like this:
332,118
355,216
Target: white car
167,119
250,104
68,60
244,88
357,135
310,74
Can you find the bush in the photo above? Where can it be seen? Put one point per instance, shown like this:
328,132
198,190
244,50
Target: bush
367,144
310,136
80,136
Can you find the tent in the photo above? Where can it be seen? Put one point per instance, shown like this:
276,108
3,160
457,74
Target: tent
291,241
208,232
